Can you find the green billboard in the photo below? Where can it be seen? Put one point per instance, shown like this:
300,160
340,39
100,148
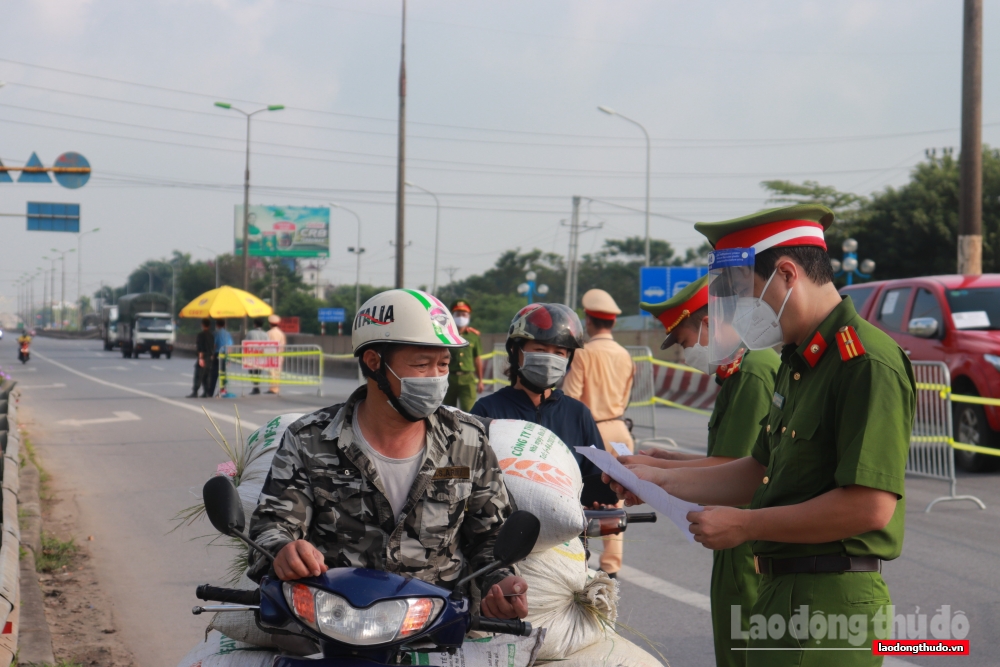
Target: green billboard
285,231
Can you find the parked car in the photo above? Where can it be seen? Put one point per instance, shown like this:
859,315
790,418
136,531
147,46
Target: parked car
954,319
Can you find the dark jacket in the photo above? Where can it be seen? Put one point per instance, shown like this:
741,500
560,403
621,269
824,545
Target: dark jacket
567,417
205,343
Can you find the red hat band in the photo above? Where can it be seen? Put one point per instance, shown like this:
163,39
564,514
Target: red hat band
674,316
775,234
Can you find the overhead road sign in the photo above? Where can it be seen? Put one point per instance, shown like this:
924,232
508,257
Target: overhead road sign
71,171
659,283
53,217
332,315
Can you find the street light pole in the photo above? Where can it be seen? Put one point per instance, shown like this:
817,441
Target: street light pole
401,161
62,304
217,255
437,233
79,274
612,112
357,250
246,187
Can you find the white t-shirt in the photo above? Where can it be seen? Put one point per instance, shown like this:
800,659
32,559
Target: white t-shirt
397,475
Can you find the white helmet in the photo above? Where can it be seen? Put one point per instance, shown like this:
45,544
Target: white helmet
407,317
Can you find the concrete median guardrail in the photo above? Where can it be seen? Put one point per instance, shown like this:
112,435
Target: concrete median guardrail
10,542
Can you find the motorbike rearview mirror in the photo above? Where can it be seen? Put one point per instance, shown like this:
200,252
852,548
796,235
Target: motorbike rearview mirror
515,540
225,511
223,506
517,537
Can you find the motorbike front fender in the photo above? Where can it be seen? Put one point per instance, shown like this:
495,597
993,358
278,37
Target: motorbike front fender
340,661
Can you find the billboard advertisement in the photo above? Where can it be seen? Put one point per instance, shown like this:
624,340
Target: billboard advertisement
285,231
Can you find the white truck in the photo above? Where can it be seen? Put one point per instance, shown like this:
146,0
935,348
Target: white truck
109,327
145,325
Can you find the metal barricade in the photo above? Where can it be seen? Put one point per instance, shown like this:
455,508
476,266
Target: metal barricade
270,365
499,367
931,452
641,407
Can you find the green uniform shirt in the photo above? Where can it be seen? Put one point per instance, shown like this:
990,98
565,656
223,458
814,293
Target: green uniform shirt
836,424
463,359
743,401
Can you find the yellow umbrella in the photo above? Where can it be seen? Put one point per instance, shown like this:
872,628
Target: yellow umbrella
226,301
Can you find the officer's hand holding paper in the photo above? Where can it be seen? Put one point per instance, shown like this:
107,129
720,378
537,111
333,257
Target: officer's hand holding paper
673,508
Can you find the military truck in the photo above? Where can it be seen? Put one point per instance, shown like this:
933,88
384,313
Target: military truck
145,325
109,327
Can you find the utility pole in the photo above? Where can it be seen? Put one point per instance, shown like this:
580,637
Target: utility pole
451,271
575,229
574,225
970,199
274,285
401,161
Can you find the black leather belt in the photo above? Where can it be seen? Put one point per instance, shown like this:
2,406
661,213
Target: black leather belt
816,564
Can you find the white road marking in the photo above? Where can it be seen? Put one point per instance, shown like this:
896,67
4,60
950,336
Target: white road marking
119,417
57,385
193,407
109,368
665,588
157,368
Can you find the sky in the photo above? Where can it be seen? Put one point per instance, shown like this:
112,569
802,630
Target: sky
502,118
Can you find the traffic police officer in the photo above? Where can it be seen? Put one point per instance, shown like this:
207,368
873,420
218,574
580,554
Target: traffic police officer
465,375
601,377
825,477
744,399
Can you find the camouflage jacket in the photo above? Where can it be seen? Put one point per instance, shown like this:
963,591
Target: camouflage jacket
323,489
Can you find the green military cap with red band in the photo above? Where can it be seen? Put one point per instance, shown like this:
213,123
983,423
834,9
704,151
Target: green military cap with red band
679,307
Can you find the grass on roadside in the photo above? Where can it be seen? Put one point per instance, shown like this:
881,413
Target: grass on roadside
56,554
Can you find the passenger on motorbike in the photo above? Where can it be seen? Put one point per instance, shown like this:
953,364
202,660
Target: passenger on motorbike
396,483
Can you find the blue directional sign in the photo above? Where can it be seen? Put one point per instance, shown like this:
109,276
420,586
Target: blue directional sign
53,217
76,170
659,283
333,315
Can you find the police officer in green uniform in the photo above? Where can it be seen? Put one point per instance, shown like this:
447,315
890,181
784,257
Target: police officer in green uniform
465,375
744,399
825,478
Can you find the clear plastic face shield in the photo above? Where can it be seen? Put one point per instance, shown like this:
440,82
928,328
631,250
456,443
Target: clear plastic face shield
730,293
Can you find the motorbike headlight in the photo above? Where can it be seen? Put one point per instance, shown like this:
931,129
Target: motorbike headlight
383,622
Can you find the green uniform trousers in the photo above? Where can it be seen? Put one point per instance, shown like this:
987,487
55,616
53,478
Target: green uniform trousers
734,582
461,391
843,610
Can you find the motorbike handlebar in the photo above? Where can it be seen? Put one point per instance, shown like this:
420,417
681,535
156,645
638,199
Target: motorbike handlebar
232,595
642,517
512,626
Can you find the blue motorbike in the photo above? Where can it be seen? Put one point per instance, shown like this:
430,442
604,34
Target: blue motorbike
361,617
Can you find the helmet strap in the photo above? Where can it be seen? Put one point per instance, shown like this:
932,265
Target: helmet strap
382,382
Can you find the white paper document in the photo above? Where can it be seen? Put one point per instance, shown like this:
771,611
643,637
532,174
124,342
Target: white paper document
971,319
621,449
673,508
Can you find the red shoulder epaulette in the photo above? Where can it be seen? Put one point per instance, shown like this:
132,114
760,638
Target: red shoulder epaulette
849,344
815,350
472,330
732,368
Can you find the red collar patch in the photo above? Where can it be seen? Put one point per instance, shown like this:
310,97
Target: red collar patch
732,368
817,346
849,344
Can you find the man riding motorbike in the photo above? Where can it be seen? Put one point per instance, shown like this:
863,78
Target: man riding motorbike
24,346
391,480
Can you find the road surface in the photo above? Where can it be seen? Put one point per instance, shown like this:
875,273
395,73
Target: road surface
121,433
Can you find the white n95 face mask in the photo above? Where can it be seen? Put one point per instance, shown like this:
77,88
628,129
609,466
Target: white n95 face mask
757,323
421,396
696,356
461,321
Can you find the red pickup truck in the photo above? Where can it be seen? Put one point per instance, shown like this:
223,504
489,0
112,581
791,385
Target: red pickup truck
954,319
